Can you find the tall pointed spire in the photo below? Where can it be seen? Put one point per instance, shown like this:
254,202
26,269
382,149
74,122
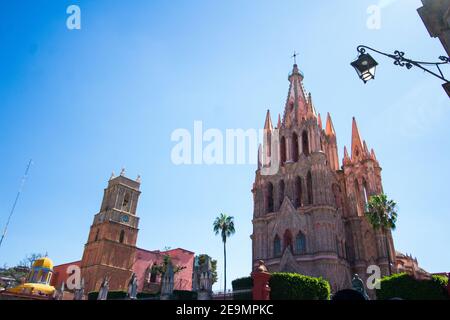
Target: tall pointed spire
296,102
366,149
329,130
357,145
346,157
279,122
372,154
268,124
319,121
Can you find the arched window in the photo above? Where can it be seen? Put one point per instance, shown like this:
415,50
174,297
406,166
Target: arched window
153,273
269,197
294,147
126,201
122,236
298,192
283,150
287,241
305,143
310,188
281,188
300,243
276,246
96,235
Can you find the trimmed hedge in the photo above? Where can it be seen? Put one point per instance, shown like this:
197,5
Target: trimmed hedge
112,295
184,295
93,295
145,295
293,286
406,287
242,284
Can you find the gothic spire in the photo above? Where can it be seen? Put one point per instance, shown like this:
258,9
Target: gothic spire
296,102
268,124
372,154
366,149
346,156
279,122
319,121
357,145
329,131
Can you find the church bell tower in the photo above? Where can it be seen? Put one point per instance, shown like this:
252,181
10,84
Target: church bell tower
111,246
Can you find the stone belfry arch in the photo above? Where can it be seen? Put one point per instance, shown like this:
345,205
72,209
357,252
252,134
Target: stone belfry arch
318,201
111,246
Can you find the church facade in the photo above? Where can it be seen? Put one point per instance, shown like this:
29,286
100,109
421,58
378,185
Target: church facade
309,213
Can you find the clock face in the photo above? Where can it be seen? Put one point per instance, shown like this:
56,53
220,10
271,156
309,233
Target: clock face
124,218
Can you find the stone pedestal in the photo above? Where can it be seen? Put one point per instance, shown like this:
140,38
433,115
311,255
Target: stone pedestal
261,289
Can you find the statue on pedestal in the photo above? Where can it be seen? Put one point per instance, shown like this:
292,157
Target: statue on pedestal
79,292
132,287
104,288
261,267
167,282
358,285
59,293
261,277
202,277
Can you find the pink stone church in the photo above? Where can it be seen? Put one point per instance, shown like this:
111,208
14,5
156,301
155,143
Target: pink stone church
309,215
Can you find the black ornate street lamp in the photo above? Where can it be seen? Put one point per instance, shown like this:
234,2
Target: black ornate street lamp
365,65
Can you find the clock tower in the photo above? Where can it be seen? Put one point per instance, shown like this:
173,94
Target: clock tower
111,246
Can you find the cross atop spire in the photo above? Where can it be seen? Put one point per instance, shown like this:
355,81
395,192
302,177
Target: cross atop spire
294,56
296,107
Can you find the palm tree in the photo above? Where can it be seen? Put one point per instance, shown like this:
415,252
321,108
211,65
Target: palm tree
382,215
224,225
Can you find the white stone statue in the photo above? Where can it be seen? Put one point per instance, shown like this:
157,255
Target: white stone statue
79,292
132,287
104,288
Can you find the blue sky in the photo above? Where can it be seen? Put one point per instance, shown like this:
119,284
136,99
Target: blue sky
83,103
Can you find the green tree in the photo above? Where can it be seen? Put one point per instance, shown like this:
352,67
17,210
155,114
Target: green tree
224,225
162,267
382,215
30,259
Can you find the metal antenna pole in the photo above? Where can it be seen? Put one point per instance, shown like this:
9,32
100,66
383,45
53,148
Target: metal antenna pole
24,179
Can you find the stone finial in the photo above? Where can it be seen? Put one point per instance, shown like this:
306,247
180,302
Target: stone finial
268,123
113,175
261,267
329,130
346,159
357,145
122,172
138,179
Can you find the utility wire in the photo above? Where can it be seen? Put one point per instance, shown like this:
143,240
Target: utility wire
24,179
